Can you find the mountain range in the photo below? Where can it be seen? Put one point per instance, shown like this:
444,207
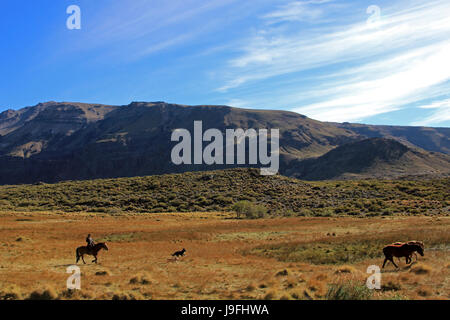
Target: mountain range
57,141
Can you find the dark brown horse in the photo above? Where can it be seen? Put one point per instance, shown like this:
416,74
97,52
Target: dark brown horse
81,251
409,259
400,249
420,243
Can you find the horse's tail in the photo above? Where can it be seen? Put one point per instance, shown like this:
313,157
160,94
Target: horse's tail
78,254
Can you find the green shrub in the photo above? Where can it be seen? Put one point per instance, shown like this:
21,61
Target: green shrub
249,209
348,291
198,191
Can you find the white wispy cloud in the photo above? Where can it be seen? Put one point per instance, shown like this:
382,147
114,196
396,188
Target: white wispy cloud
397,84
440,114
144,27
296,11
404,59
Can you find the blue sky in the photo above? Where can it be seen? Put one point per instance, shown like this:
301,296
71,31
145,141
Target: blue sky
379,62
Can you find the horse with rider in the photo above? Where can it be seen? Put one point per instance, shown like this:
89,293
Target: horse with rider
92,249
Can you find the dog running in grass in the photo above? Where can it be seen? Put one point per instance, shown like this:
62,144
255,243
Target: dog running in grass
179,253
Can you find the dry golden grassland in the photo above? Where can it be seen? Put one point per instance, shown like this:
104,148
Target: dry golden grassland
227,258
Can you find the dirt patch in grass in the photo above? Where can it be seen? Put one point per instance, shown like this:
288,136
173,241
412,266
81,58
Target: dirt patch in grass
263,235
121,237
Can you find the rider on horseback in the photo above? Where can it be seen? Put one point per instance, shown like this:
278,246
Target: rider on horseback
90,242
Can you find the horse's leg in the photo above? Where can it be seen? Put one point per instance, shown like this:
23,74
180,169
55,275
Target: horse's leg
385,260
392,260
82,258
95,260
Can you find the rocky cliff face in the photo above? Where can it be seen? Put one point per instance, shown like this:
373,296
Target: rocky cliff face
67,141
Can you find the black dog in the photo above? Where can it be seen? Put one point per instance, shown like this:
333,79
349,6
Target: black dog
179,253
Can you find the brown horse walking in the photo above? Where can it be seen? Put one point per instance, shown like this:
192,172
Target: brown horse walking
400,249
409,259
81,251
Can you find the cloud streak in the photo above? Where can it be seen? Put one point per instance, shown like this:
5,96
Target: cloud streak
148,26
440,114
296,11
359,70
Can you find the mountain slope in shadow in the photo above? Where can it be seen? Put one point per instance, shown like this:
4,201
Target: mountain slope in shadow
57,141
371,158
430,139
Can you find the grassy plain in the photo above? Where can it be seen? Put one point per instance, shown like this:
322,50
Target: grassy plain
227,258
